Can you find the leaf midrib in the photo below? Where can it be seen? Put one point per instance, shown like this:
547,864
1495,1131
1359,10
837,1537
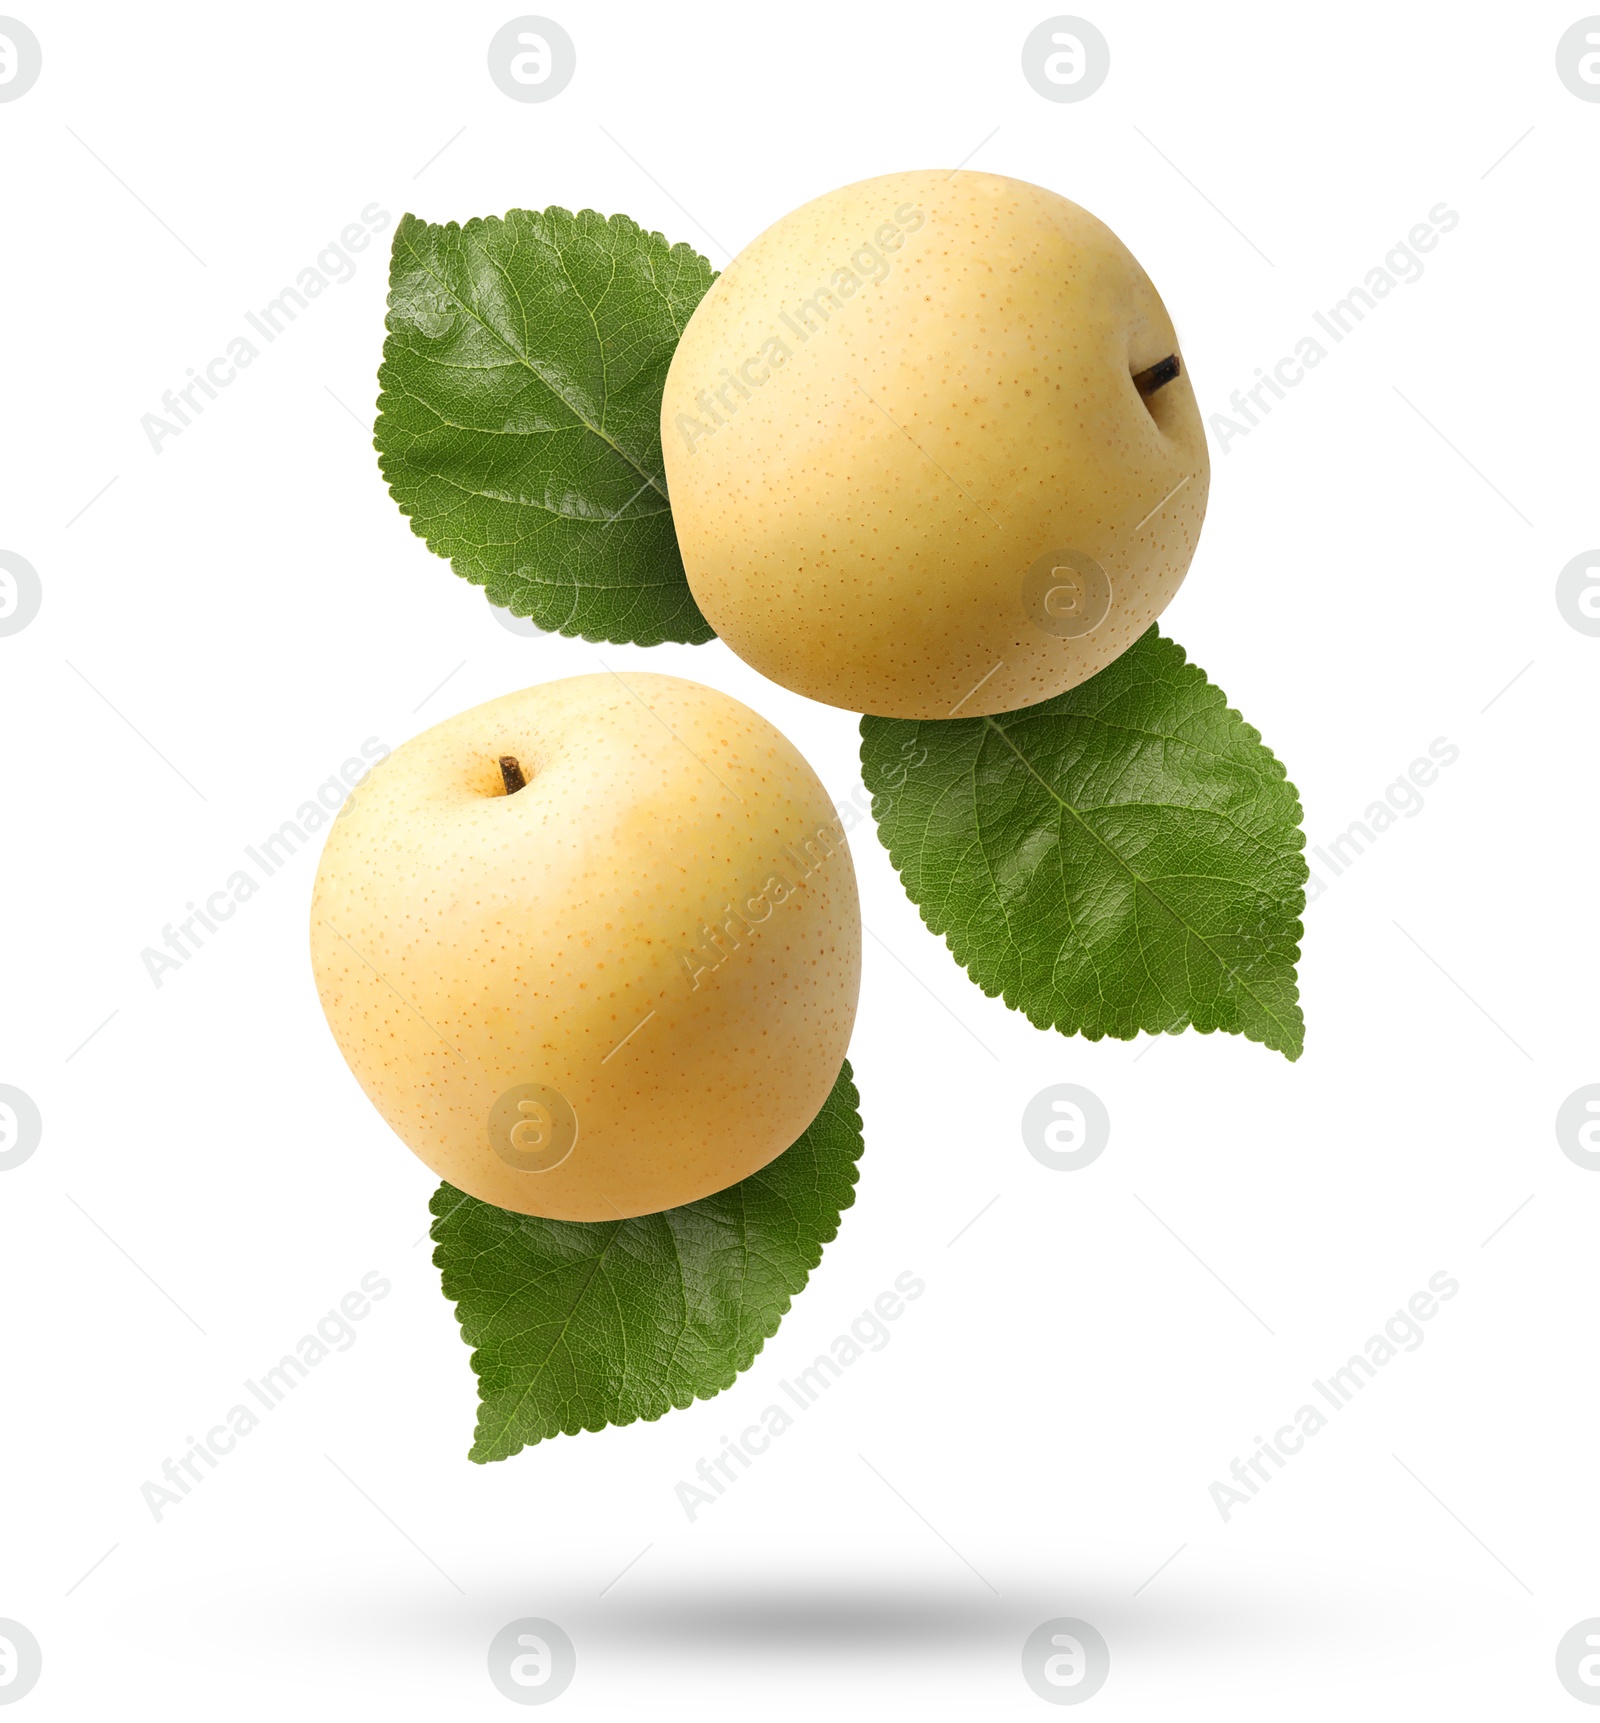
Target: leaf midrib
534,1377
533,370
1194,933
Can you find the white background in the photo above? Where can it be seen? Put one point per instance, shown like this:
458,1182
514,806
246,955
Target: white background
1057,1405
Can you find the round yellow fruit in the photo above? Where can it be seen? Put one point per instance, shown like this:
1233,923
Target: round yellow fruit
927,453
593,949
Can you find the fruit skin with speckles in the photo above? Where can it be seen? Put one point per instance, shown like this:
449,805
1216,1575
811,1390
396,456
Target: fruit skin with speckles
911,471
660,926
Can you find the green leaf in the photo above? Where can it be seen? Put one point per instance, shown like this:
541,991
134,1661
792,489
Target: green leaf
1124,857
519,419
580,1324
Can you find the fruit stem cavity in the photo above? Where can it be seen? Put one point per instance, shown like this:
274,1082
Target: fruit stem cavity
1151,379
511,774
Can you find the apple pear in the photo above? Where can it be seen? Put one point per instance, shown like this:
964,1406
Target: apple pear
932,449
592,949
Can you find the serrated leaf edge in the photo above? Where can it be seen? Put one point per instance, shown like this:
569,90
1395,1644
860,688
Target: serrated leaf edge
469,228
851,1177
1041,1019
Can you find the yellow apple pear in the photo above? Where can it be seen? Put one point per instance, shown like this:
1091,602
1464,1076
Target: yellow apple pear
932,449
592,949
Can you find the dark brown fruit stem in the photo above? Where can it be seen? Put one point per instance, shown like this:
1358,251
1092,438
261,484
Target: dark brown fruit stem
511,773
1147,382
